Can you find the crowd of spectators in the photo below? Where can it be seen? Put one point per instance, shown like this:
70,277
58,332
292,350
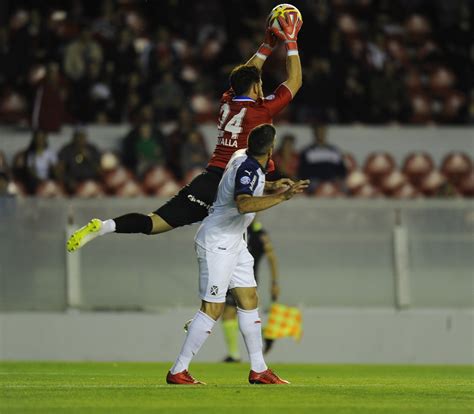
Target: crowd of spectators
157,164
364,61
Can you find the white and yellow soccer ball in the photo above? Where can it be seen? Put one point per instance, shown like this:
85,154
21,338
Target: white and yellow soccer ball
282,10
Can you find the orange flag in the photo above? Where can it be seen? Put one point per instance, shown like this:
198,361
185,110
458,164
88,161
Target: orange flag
283,321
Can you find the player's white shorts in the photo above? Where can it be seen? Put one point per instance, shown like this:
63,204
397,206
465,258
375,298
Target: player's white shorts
221,271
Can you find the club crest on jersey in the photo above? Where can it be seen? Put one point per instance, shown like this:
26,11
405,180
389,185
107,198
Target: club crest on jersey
245,180
228,142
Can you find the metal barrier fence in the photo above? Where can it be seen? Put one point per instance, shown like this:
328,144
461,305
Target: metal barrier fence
332,253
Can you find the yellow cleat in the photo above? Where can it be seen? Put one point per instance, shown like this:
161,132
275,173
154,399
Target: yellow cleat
84,235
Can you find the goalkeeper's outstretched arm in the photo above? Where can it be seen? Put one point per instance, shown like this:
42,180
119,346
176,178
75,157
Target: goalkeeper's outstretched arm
265,50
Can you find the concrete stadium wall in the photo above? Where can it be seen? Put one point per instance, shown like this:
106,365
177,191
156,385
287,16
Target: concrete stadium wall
358,140
349,335
366,296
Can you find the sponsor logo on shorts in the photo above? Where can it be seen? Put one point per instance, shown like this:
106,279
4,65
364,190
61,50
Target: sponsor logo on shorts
197,201
214,290
245,180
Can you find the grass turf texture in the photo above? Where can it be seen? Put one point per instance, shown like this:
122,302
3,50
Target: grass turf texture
140,388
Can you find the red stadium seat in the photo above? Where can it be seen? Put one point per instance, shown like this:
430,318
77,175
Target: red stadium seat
116,178
406,191
378,165
416,166
49,189
455,166
129,189
465,186
168,189
155,178
392,182
367,191
89,189
355,180
432,183
328,190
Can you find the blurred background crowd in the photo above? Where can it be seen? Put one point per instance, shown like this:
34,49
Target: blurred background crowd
408,62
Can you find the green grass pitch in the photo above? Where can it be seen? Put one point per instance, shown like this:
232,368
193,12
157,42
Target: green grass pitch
37,387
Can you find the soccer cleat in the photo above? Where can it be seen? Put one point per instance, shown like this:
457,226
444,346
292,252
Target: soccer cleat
266,377
84,235
182,378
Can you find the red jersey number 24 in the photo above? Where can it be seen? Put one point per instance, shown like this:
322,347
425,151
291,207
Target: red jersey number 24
234,124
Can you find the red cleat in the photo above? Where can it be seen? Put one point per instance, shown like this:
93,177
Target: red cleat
266,377
182,378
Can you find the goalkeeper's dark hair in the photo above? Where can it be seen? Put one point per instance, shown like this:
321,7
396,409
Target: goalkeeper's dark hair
261,139
243,77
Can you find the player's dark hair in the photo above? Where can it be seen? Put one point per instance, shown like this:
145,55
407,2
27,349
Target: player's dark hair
261,139
243,77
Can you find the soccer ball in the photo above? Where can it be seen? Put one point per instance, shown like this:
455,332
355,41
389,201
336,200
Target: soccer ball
282,10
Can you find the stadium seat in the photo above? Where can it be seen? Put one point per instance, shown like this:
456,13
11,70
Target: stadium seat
131,188
116,178
406,191
168,189
367,191
416,166
49,189
455,166
89,189
392,182
432,183
155,178
465,185
378,165
355,180
328,190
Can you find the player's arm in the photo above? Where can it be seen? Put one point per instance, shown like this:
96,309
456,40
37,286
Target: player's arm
289,34
247,203
278,184
265,50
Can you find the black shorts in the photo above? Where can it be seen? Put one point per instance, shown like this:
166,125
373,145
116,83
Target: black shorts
193,201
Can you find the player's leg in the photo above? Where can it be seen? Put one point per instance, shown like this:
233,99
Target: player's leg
231,329
215,271
244,289
189,206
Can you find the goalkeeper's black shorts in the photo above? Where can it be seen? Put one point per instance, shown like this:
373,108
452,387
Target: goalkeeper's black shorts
193,201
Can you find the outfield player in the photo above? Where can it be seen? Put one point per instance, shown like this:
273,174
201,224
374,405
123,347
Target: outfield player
242,108
259,245
224,260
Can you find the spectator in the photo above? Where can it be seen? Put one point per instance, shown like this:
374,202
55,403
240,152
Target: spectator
321,162
35,164
79,161
286,158
143,148
194,154
48,110
168,97
80,54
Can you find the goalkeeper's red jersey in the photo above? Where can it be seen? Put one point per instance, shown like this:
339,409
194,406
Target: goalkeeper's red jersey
238,116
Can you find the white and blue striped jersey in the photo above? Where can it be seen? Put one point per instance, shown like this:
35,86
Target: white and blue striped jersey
223,229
